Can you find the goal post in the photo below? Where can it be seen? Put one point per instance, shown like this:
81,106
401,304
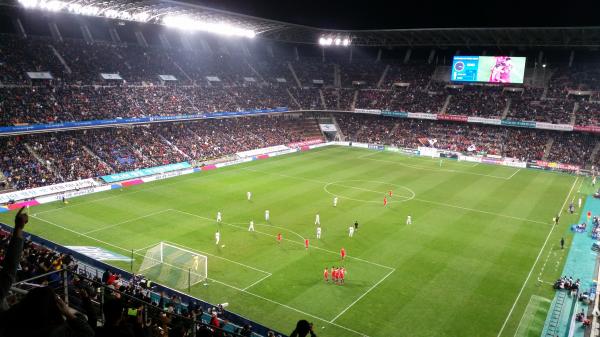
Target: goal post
174,266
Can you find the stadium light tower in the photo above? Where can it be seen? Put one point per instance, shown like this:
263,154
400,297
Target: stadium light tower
335,40
222,28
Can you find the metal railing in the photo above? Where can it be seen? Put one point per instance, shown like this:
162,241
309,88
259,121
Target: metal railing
71,284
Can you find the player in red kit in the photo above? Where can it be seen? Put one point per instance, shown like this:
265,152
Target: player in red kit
334,274
306,243
390,192
342,274
279,238
384,201
326,275
343,253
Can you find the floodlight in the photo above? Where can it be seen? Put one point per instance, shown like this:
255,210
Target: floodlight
186,23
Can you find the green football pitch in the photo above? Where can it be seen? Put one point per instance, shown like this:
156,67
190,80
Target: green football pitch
476,260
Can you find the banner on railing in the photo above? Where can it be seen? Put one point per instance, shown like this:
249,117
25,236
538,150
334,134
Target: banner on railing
46,190
110,76
398,114
167,77
39,75
264,150
139,120
368,111
98,253
456,118
111,178
587,128
519,124
554,166
328,127
421,115
481,120
166,175
305,143
550,126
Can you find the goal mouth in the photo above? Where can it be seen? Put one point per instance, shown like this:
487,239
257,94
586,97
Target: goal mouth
174,266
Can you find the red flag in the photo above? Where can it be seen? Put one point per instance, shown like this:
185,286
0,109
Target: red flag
384,201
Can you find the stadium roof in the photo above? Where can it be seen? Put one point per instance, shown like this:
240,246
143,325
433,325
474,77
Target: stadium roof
155,11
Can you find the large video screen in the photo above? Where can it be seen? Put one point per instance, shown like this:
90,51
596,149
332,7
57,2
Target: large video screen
490,69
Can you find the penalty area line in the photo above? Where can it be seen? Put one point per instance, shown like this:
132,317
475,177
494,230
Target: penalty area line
127,221
363,295
292,241
217,281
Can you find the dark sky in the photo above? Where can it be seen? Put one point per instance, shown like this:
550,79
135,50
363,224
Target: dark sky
375,14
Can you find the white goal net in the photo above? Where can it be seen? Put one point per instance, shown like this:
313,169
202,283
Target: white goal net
174,266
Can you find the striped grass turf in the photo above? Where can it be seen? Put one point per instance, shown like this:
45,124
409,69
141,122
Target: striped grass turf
456,271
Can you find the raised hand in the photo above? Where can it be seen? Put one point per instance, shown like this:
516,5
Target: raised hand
21,219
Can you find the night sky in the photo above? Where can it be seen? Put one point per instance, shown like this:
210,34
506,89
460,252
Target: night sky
396,14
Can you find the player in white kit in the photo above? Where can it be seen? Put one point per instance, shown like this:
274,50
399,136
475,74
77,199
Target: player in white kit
318,232
409,220
251,227
335,200
217,237
579,202
219,218
351,231
249,195
317,219
267,217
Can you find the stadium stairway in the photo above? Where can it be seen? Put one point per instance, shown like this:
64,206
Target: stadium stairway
580,264
382,78
506,108
595,152
547,148
574,114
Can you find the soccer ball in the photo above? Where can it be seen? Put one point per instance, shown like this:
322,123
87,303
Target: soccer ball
222,246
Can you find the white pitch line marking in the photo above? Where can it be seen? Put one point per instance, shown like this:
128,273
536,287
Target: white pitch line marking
217,281
257,282
416,199
216,256
512,175
293,241
126,221
192,176
534,263
361,296
419,167
479,211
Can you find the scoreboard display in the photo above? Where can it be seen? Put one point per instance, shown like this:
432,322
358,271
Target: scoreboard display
489,69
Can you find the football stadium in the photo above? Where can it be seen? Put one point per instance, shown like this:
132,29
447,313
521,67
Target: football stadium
179,169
